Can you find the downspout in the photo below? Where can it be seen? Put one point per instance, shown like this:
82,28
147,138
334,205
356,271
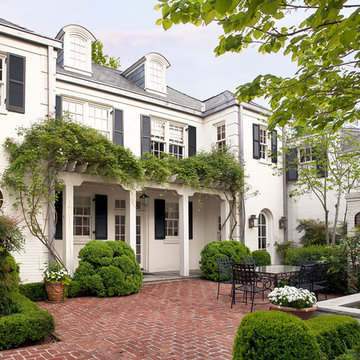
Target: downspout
241,160
285,191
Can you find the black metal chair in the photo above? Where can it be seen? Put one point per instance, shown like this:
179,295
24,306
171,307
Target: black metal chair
249,260
320,278
225,274
246,281
302,260
304,279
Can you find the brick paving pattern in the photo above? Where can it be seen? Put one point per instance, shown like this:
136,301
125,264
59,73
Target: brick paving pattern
179,320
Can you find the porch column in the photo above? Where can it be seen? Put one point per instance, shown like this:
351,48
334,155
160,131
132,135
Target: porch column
130,228
68,202
224,213
184,234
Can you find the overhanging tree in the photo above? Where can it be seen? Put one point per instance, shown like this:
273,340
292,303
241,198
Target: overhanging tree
98,57
325,44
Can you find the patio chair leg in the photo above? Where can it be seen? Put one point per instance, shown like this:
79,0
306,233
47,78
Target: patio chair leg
218,290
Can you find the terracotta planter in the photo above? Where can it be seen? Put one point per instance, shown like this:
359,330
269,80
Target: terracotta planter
54,291
303,314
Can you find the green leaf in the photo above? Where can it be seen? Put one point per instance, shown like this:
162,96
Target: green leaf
167,24
158,22
209,17
270,8
347,37
222,6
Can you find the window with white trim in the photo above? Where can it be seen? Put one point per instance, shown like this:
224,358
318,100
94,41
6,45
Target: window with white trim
262,232
82,216
77,52
93,115
306,154
120,217
171,219
156,76
168,138
2,81
220,137
263,144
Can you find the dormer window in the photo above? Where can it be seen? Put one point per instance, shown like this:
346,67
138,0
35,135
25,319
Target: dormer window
78,52
156,76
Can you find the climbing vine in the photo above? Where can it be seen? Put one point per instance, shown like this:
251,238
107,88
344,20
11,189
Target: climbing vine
46,148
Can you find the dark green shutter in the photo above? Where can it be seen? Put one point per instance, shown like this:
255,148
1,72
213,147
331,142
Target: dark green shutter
58,107
292,165
101,213
159,210
274,146
118,133
15,90
145,134
256,141
190,220
59,215
191,140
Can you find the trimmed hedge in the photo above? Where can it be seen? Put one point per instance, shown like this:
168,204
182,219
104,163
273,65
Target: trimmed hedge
265,335
309,252
335,333
30,323
108,268
220,249
262,257
33,291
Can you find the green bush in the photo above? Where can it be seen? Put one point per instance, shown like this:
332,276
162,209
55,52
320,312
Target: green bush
30,323
107,268
314,232
262,257
220,249
335,333
33,291
265,335
350,354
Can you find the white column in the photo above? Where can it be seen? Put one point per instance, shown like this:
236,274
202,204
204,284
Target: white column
131,219
224,213
184,235
68,203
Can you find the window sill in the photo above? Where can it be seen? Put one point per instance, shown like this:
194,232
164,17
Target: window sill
171,240
265,162
81,241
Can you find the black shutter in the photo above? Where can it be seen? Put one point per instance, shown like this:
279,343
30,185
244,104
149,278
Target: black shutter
159,209
291,165
320,158
274,146
118,133
101,217
256,141
58,107
190,220
191,140
59,215
145,134
15,90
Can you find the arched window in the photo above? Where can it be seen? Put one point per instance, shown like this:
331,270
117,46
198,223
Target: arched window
77,52
262,232
357,219
157,75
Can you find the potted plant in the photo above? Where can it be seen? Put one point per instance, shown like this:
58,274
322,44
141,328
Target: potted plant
56,278
299,302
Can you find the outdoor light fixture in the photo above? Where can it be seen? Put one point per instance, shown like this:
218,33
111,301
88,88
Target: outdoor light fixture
253,221
282,222
144,200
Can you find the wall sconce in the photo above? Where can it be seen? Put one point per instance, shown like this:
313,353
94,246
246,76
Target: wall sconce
253,221
144,200
283,222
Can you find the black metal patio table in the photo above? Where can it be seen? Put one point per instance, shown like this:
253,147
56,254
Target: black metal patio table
275,272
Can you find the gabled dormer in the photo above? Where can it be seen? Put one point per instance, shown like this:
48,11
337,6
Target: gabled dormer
76,53
149,73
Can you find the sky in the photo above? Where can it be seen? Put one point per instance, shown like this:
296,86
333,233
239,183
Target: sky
127,29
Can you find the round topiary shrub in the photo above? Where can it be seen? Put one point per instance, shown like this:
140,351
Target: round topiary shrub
262,257
265,335
108,268
220,249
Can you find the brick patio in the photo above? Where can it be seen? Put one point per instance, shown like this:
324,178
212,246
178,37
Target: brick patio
168,320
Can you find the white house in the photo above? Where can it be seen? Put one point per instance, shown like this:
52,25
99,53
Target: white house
137,109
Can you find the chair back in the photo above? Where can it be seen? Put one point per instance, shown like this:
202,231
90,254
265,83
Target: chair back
224,268
320,272
249,260
302,260
306,275
244,274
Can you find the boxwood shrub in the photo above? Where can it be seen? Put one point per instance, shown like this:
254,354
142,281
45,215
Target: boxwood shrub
33,291
30,323
335,333
262,257
265,335
108,268
220,249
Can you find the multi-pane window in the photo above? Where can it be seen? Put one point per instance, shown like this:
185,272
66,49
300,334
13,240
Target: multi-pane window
138,239
263,144
2,82
171,219
120,227
98,118
77,52
306,155
82,216
167,138
156,76
262,232
74,109
120,204
220,137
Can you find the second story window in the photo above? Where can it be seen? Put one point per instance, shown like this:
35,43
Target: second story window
77,52
263,144
306,154
156,76
220,137
2,84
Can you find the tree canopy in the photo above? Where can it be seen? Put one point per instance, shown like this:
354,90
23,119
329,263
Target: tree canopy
98,56
325,43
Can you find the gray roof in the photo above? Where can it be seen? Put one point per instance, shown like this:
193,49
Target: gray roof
218,100
12,25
